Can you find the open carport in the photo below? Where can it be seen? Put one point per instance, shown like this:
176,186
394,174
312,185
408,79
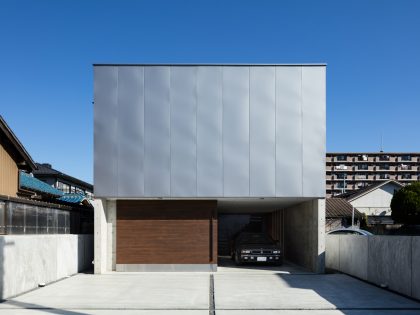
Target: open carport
296,225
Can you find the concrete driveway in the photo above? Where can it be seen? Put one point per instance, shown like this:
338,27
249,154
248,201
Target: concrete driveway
247,291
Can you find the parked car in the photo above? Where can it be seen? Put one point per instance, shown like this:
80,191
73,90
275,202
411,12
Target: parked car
251,247
351,231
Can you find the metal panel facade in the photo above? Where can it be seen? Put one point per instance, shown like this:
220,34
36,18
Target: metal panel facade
157,144
289,131
183,131
236,131
313,129
262,133
105,130
209,131
130,131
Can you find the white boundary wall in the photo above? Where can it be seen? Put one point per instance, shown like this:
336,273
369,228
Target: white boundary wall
27,260
392,261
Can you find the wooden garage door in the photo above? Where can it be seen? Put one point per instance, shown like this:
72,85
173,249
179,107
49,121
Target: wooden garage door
166,232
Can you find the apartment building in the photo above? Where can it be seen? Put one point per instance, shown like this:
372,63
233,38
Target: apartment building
350,171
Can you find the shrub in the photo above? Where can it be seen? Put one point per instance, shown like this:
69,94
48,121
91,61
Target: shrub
405,205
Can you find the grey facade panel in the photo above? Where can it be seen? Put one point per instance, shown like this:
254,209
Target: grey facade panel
105,131
183,99
236,131
313,128
157,143
288,131
209,132
130,131
262,131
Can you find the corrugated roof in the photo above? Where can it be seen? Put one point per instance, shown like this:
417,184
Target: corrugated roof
72,198
339,208
31,183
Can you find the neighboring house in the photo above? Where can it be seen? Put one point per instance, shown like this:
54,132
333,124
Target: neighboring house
374,201
351,171
13,159
176,147
339,213
66,183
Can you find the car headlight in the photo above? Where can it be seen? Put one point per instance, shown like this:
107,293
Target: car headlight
245,251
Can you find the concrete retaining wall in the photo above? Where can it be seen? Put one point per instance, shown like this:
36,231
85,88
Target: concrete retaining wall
393,261
27,260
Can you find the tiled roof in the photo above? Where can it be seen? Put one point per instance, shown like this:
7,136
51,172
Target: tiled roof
29,182
45,170
339,208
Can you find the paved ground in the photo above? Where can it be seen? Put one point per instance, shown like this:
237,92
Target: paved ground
244,291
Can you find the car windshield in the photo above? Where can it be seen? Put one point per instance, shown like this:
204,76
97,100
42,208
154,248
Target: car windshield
251,238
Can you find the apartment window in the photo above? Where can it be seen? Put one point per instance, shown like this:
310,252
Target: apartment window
362,157
341,157
405,176
384,167
362,167
341,176
340,185
405,167
361,176
384,158
405,157
384,176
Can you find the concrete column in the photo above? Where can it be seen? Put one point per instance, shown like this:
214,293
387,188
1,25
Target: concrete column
318,264
304,234
100,236
111,214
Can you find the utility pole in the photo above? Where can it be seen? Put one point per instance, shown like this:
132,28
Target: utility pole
352,216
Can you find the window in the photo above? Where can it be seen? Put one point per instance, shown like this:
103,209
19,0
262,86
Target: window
405,167
384,167
341,158
362,157
63,187
362,167
406,158
384,176
361,176
406,176
341,176
384,158
340,185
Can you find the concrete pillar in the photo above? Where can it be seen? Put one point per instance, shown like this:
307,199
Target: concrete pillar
111,214
304,234
100,236
318,263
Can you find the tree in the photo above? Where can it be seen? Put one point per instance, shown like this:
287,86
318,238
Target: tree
405,205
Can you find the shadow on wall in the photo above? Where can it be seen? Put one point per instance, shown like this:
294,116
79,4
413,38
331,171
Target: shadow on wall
3,244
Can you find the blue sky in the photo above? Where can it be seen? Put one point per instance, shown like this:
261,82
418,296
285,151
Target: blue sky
47,49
